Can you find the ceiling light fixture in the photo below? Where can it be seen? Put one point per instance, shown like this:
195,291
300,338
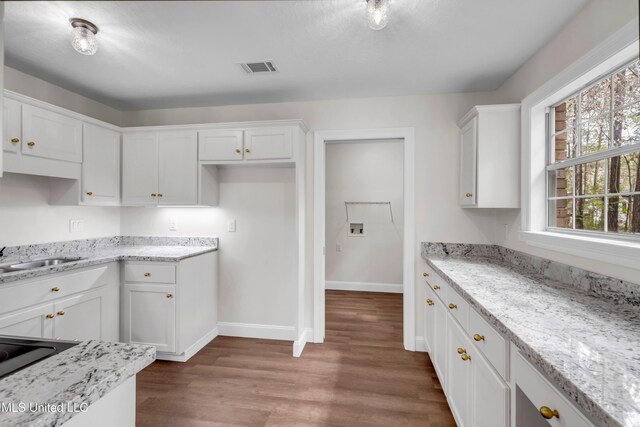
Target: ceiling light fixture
83,36
377,13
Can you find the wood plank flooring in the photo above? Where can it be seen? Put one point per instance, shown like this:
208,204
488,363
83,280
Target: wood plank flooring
360,376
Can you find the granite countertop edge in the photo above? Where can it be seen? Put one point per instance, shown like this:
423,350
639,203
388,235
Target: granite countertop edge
91,259
571,391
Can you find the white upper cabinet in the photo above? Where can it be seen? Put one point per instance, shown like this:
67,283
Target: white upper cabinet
160,168
224,145
51,135
178,168
140,168
12,132
268,143
101,166
490,157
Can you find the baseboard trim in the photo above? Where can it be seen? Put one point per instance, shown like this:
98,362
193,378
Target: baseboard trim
250,330
364,287
191,351
298,345
421,344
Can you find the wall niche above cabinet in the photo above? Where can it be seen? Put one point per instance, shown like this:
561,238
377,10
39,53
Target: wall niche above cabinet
490,157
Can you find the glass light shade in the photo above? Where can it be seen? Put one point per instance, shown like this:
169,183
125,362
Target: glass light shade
84,41
377,13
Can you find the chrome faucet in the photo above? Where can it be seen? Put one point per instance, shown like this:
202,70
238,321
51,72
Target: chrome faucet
2,251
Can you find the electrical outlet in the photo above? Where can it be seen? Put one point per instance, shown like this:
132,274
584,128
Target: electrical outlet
76,225
338,247
231,226
172,225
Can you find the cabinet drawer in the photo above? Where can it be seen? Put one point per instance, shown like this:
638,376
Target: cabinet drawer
150,273
31,292
458,307
541,393
489,342
435,282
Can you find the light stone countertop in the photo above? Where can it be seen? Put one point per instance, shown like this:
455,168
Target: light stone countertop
588,346
81,374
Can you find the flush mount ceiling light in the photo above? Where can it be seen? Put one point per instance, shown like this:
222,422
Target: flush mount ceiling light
377,13
83,36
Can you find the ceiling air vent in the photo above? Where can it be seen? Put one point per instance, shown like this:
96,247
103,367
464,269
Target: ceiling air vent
259,67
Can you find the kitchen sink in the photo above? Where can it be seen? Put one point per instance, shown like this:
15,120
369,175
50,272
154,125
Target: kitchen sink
36,264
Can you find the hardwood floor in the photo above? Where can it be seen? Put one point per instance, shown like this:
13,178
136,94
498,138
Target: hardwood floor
360,376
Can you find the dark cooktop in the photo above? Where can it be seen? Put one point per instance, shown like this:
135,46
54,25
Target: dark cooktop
19,352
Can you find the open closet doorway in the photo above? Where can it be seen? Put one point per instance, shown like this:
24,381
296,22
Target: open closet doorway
364,228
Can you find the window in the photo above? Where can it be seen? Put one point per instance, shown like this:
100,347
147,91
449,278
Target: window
593,184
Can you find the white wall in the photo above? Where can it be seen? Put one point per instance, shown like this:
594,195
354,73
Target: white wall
258,262
594,24
26,216
364,171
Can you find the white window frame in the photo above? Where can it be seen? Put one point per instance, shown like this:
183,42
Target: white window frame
615,51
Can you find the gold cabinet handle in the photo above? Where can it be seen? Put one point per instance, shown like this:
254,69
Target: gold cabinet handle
159,194
478,337
154,195
461,350
465,357
425,274
55,289
50,316
238,150
15,140
549,413
436,287
89,193
429,301
31,143
169,295
453,306
246,150
469,194
61,313
147,274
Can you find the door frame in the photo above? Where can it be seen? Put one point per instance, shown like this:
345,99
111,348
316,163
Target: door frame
321,139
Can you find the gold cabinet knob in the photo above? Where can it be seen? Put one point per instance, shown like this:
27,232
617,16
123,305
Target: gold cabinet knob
461,350
31,143
465,357
429,301
50,316
154,195
169,295
436,287
15,140
147,274
55,289
425,274
478,337
453,306
549,413
246,150
238,150
89,193
60,313
469,195
159,194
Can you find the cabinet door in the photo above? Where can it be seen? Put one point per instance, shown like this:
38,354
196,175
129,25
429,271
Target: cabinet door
101,166
150,315
140,168
81,317
178,168
12,133
489,395
268,143
468,163
429,320
34,322
220,145
458,372
440,341
51,135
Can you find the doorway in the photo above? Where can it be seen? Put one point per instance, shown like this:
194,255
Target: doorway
357,221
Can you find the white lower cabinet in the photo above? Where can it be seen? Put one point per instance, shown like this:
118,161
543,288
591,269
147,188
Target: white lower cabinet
150,315
440,341
82,317
31,322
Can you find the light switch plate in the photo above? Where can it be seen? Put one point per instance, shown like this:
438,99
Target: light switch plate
76,225
172,225
231,226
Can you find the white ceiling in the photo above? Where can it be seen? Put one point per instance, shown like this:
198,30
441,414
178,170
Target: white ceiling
175,54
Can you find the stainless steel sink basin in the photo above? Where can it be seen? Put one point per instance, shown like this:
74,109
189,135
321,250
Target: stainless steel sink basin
37,264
